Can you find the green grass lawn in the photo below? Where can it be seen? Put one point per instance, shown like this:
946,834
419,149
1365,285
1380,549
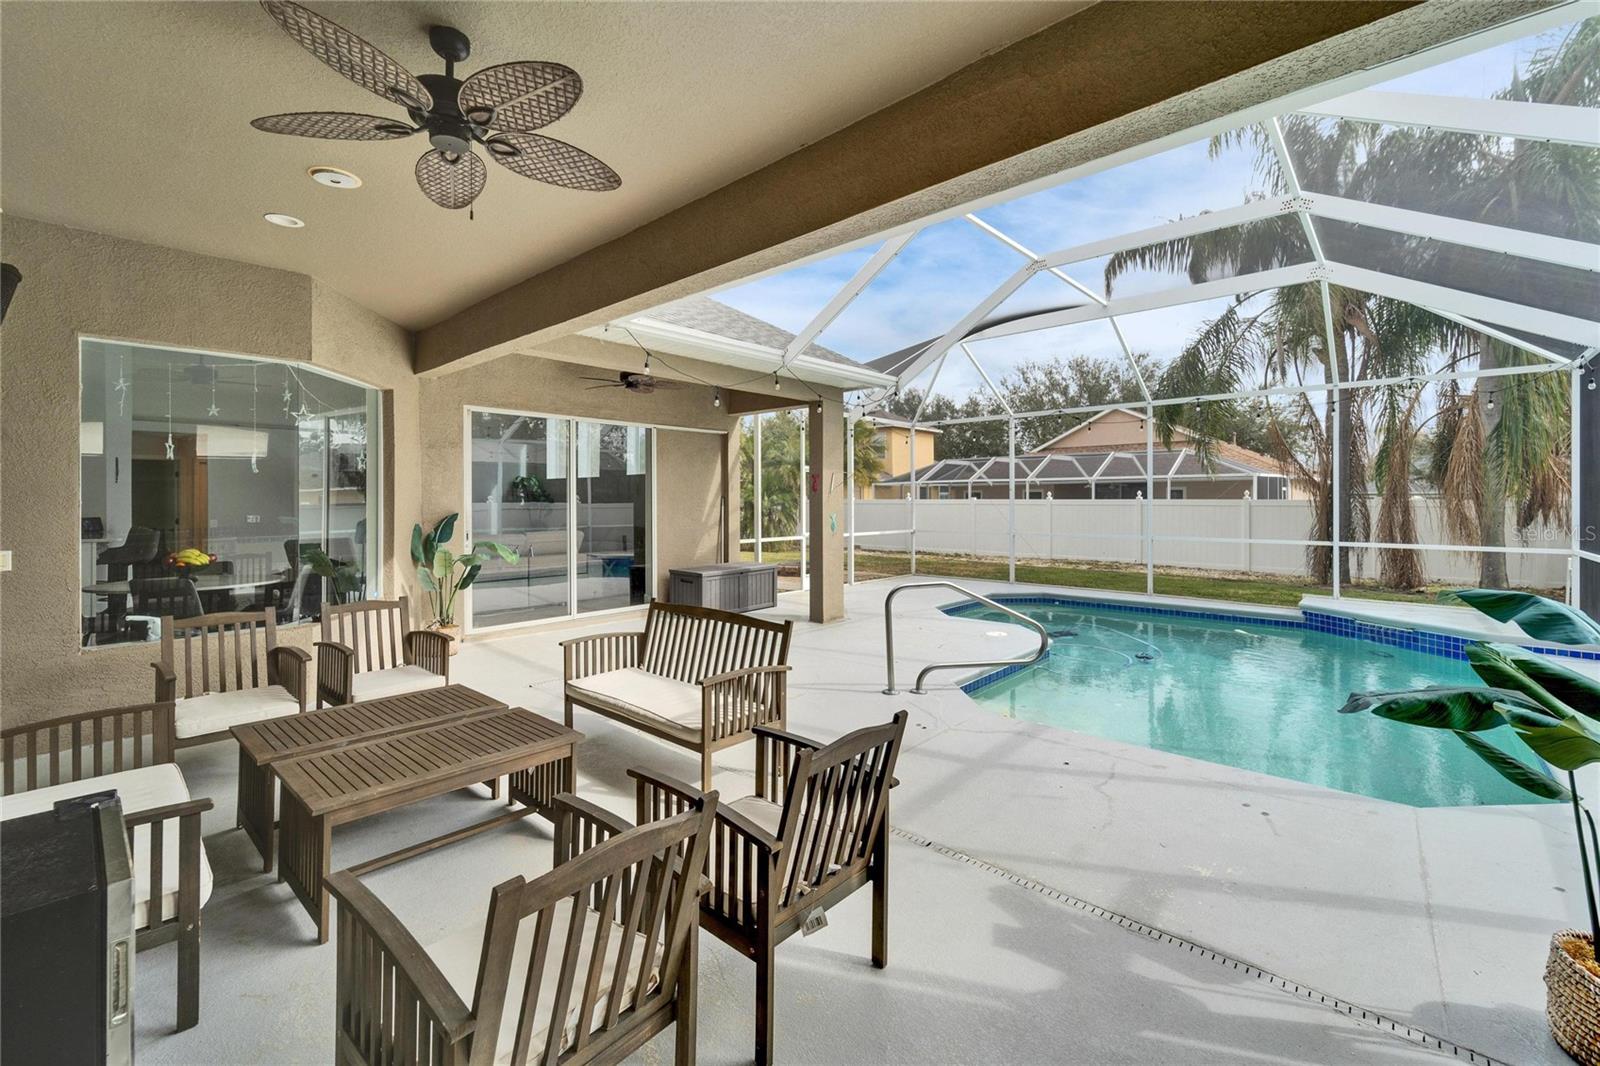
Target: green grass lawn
1274,592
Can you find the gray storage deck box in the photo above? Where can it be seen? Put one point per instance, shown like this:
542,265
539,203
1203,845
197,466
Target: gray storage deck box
725,586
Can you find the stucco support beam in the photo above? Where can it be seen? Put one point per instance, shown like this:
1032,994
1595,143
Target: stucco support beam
1057,100
825,498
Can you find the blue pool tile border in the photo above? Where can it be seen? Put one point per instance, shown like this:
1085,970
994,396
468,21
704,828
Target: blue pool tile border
1427,642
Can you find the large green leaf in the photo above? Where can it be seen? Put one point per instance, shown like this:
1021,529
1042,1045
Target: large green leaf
1540,617
1573,689
1469,709
425,577
488,549
444,529
444,561
1502,666
416,546
1515,770
470,576
1568,745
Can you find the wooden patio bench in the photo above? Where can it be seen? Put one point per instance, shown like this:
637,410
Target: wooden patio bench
581,965
816,830
127,750
368,651
233,672
696,677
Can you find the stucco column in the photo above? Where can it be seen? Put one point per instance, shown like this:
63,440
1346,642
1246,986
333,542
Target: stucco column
825,491
731,494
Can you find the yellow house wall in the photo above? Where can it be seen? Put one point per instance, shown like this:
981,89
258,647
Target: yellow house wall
897,455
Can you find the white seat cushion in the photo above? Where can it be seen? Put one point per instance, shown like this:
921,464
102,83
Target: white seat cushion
216,711
143,789
644,696
376,684
458,954
764,813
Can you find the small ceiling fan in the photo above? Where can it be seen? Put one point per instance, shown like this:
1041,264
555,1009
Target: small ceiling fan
499,107
633,381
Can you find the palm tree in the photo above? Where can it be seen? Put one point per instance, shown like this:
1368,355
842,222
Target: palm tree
869,459
1516,449
1286,342
1483,452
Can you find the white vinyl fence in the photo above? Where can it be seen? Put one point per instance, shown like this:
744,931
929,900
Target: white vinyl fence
1220,535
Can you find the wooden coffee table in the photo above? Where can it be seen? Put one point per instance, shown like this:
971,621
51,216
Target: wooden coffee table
363,778
264,744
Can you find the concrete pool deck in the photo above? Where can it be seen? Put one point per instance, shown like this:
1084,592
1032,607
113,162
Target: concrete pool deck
1015,844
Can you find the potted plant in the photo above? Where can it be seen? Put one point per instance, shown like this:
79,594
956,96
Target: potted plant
1553,711
443,574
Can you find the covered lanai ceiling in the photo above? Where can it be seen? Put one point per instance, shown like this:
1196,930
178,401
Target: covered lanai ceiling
132,119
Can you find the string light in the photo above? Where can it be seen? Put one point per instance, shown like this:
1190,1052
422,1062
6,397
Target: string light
172,453
255,460
122,383
776,384
716,397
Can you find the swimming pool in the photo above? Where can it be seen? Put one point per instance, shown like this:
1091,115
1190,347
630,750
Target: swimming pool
1261,696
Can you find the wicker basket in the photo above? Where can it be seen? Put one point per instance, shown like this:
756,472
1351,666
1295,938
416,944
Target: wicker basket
1572,1001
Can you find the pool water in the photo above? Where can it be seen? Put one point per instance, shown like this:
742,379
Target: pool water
1256,697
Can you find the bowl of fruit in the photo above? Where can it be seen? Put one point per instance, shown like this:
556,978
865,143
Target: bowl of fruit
190,561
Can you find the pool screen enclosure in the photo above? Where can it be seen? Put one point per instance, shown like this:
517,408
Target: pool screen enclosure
1357,330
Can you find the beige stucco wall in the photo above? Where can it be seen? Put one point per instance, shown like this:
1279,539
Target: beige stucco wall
689,494
690,465
79,283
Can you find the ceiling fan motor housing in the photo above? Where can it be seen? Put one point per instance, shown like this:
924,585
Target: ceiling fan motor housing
448,129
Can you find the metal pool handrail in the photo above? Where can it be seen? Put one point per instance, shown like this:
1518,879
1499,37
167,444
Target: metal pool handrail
888,634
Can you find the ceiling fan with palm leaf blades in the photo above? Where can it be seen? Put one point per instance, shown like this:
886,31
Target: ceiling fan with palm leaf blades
499,108
633,381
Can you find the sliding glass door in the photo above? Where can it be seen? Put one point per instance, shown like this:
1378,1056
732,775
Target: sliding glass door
519,496
613,515
573,499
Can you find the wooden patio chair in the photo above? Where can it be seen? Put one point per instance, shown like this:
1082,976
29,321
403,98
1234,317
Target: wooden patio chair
233,672
696,677
160,597
579,966
368,651
816,830
127,750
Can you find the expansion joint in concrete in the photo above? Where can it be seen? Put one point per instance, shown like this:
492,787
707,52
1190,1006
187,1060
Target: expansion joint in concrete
1393,1027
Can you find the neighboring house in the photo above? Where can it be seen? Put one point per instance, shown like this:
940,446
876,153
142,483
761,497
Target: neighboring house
894,434
1104,458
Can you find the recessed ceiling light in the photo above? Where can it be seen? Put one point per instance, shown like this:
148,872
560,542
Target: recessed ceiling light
334,178
286,221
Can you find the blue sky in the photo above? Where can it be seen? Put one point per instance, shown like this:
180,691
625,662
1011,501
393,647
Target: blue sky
952,265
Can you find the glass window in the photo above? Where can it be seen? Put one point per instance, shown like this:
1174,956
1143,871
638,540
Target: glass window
218,483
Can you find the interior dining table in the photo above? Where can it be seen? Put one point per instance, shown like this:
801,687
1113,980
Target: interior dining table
203,583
